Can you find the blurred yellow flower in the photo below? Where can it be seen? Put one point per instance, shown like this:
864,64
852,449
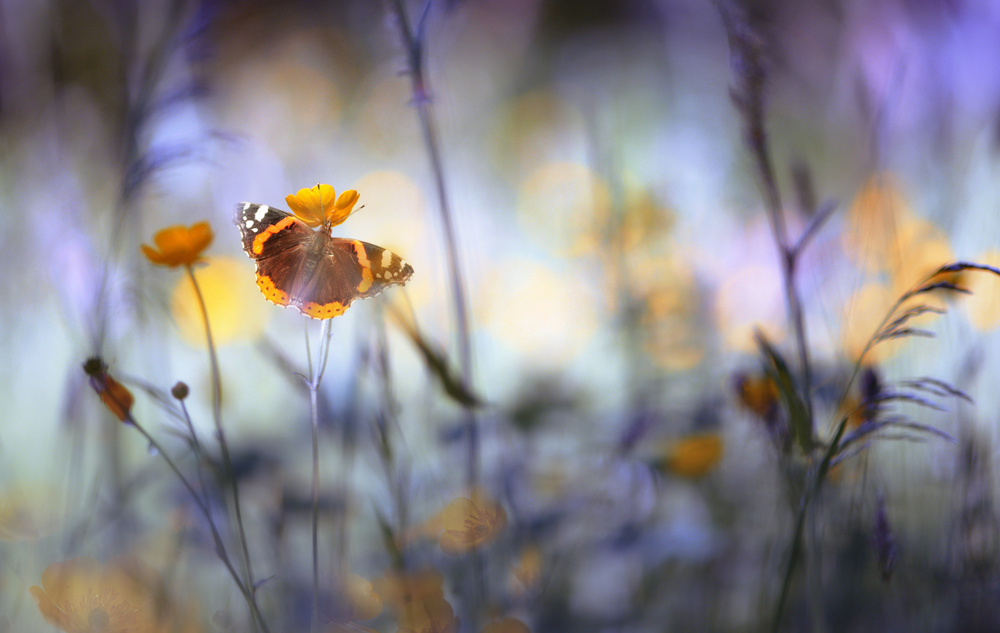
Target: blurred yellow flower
528,570
115,397
320,205
360,595
123,596
179,245
507,625
758,393
887,238
471,522
231,299
692,456
397,589
433,615
872,220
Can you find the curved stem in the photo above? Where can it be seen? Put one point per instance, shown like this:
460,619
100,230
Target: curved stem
227,463
220,548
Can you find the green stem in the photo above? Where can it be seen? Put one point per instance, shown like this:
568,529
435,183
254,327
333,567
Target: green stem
227,462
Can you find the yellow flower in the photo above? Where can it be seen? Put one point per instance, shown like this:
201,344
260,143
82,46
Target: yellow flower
179,245
507,625
433,615
528,570
693,456
115,397
320,205
124,596
758,393
397,589
471,522
360,596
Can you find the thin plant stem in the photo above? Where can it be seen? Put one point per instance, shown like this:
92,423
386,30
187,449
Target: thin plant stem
789,262
227,463
220,548
315,378
748,62
199,452
413,41
798,540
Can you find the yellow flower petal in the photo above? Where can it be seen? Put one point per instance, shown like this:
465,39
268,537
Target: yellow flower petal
364,602
457,512
434,615
758,393
528,570
470,523
398,589
693,456
343,207
82,595
311,205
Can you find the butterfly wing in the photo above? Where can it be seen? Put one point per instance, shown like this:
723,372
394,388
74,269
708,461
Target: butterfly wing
351,269
279,243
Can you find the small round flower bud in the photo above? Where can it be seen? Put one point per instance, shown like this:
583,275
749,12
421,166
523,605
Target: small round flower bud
179,391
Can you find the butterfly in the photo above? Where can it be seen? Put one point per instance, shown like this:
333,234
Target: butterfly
309,269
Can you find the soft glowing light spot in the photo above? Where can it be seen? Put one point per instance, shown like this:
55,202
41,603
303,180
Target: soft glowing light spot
546,316
235,310
560,205
750,298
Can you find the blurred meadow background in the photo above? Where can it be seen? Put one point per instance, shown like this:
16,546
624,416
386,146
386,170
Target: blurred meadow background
648,374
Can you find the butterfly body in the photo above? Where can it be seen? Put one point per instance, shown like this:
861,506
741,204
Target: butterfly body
309,269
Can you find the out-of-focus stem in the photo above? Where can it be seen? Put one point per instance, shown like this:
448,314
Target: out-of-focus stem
421,100
413,40
227,462
315,378
220,548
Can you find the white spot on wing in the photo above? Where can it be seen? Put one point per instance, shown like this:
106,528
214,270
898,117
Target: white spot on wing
249,223
261,212
386,259
246,205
